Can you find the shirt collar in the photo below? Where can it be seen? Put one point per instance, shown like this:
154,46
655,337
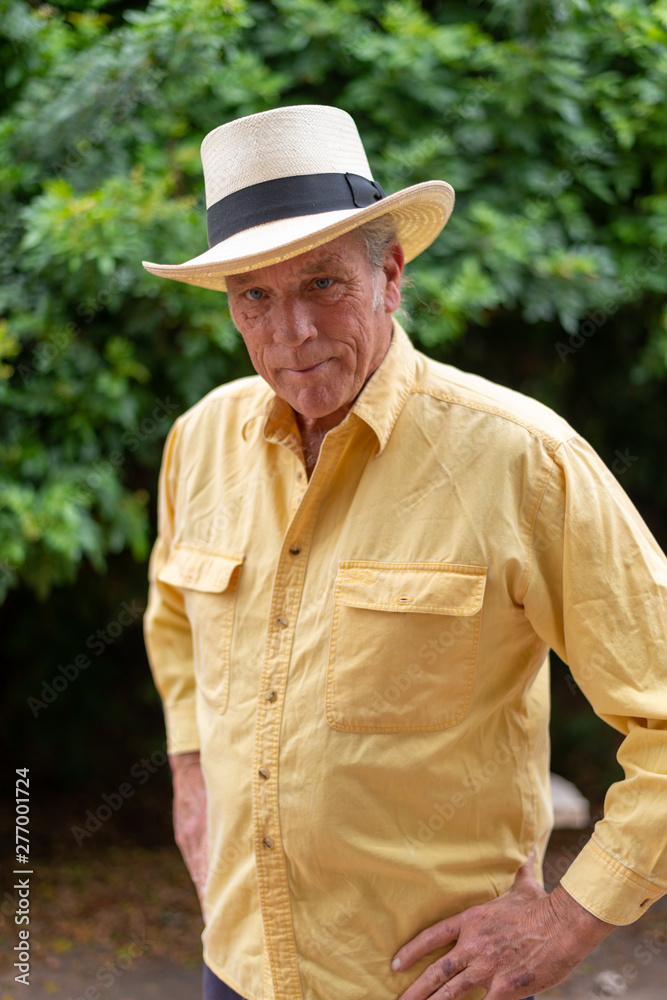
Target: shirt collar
378,405
382,399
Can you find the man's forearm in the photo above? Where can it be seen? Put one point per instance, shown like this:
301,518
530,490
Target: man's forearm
190,815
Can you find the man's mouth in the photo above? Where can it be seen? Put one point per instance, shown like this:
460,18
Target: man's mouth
306,369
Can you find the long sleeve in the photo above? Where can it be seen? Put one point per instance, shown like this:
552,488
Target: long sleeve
369,651
598,596
166,627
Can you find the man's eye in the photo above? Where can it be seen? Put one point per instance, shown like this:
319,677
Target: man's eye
255,294
323,283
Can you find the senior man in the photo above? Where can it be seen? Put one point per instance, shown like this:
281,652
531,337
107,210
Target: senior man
363,560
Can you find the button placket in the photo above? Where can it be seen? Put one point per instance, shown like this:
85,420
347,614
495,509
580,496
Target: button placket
274,895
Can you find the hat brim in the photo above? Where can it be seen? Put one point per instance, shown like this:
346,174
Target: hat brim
420,212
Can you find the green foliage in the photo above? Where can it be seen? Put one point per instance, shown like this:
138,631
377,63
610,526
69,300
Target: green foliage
548,118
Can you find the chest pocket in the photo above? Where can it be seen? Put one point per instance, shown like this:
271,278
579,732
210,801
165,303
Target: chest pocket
208,581
403,645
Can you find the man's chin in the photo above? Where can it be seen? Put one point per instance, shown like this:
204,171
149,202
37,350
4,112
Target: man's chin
327,413
313,403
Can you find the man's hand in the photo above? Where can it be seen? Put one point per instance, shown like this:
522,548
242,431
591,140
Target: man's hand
522,943
190,816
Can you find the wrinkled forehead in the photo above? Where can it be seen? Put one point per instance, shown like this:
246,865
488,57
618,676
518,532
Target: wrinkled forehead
344,255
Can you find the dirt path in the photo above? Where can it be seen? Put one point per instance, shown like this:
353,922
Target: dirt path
125,926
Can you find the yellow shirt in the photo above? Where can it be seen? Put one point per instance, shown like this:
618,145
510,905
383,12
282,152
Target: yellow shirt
362,658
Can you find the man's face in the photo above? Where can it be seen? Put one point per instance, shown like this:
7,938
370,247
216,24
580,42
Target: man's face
318,325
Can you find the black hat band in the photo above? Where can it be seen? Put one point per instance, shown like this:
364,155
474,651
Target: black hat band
286,198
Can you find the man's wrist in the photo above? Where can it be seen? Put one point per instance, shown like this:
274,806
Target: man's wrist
182,761
575,920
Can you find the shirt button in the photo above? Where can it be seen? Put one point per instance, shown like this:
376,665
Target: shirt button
282,621
263,772
271,696
295,549
268,842
644,902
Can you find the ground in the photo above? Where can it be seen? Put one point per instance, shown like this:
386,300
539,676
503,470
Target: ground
125,926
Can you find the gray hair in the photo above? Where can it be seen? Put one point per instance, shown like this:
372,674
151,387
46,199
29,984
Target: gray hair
375,237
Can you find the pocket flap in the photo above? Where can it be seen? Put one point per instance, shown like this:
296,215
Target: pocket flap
199,569
427,588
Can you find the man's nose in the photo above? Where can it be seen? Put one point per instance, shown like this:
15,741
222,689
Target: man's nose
293,323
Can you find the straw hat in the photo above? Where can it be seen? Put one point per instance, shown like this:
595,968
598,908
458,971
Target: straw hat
284,181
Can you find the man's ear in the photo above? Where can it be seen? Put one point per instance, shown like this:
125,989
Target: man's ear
393,268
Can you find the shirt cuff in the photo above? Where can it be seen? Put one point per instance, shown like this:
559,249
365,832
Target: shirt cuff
607,888
181,723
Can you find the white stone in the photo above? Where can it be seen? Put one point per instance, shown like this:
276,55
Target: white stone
571,809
